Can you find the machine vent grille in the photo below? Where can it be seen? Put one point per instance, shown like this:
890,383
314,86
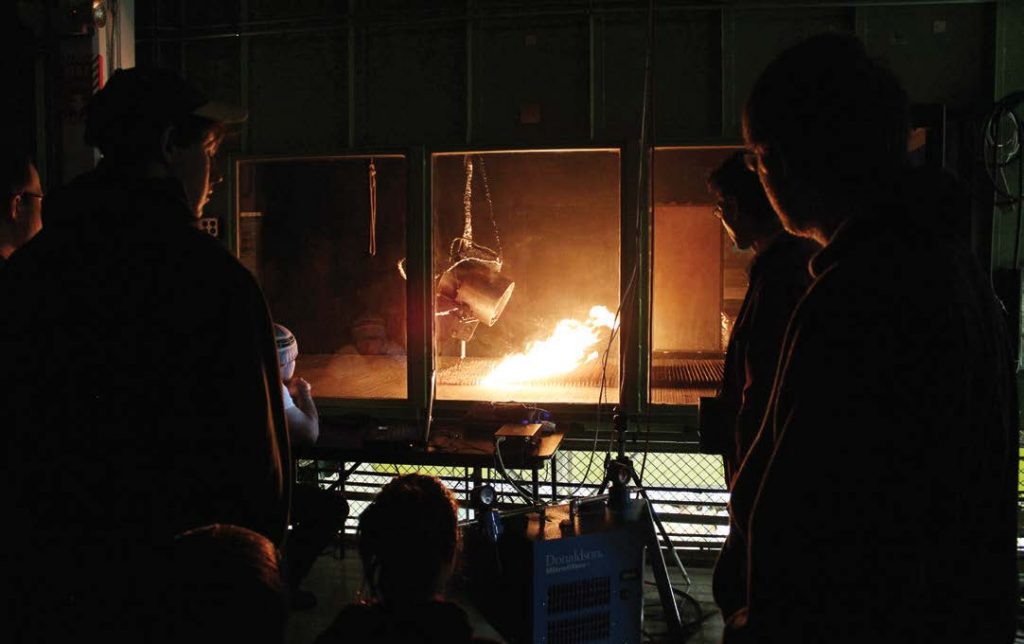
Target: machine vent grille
595,627
578,595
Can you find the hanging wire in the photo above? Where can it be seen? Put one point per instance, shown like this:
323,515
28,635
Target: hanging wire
373,207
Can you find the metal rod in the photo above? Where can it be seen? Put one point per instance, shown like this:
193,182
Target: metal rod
664,533
593,72
664,584
350,35
469,74
524,11
243,72
269,27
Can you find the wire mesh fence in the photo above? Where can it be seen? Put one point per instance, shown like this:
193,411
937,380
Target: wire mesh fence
687,490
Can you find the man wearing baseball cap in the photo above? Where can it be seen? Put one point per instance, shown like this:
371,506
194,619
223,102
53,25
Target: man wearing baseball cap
140,394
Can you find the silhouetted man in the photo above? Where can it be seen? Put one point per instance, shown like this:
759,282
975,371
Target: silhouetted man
779,276
21,218
879,499
140,395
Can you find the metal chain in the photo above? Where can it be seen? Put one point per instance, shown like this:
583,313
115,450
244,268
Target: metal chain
467,201
490,207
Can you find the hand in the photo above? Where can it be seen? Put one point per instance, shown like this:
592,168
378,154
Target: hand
298,387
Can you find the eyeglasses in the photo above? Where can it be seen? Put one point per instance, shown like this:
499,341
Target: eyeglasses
751,161
26,193
726,205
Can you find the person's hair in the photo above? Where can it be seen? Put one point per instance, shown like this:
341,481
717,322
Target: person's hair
408,537
140,139
191,130
15,173
837,117
732,179
225,585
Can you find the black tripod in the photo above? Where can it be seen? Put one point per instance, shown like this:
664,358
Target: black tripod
619,474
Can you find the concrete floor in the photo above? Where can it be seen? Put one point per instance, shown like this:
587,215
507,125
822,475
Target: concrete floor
336,582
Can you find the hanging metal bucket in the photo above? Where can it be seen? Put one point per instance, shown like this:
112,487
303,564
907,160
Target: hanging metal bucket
479,287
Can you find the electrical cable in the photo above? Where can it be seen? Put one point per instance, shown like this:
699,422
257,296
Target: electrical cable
687,599
526,496
1005,109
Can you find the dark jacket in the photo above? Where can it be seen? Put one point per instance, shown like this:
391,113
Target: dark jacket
140,393
879,500
779,277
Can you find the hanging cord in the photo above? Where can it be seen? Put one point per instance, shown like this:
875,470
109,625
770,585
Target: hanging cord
373,207
1004,151
1003,154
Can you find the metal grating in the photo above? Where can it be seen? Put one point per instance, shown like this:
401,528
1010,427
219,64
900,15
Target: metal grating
687,489
595,627
665,372
470,371
674,372
578,595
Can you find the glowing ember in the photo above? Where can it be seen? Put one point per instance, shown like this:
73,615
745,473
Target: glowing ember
571,345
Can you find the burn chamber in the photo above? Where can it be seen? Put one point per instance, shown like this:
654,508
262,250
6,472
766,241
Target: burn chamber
323,236
526,267
699,278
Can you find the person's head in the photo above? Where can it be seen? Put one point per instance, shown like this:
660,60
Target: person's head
369,334
287,350
224,585
22,215
741,203
408,538
826,126
154,118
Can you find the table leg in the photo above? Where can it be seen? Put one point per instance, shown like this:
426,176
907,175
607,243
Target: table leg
478,480
554,478
535,476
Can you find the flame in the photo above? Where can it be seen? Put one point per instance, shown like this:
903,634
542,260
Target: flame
568,347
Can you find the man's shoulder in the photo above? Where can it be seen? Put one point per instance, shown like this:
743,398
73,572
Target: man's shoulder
894,280
212,254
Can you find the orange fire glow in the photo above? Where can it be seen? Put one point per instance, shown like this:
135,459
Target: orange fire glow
571,345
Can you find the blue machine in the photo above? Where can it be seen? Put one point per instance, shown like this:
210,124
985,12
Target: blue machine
561,579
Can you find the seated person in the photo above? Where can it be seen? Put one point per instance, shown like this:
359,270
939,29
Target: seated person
408,538
299,408
370,338
223,585
317,515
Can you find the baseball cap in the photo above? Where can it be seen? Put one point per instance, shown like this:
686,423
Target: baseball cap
139,99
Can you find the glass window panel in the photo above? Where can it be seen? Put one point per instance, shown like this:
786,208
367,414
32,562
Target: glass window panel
700,278
324,236
524,310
